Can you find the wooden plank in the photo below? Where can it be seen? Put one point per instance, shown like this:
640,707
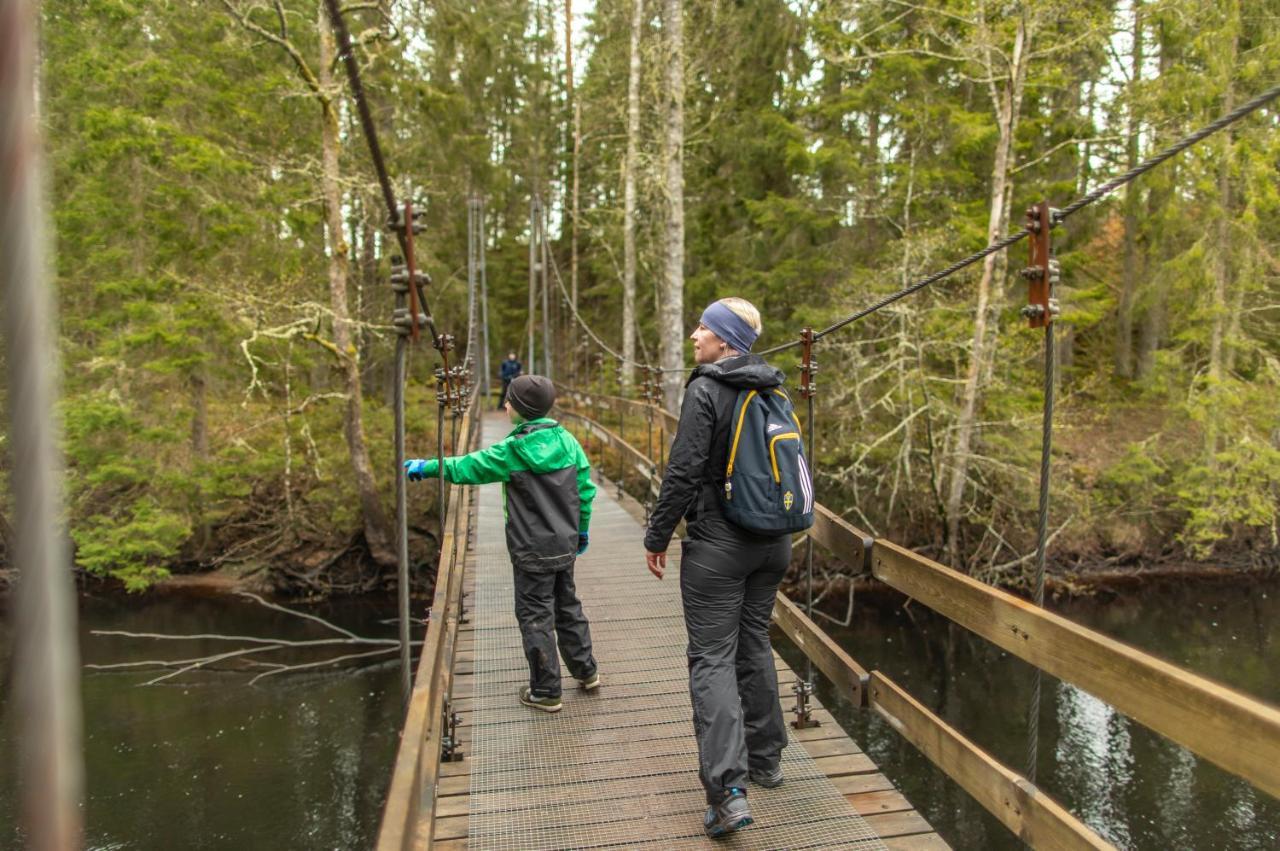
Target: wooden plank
835,766
1031,815
915,842
857,784
1239,733
845,674
898,824
884,801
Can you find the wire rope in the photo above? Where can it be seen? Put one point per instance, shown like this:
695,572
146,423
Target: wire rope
1059,215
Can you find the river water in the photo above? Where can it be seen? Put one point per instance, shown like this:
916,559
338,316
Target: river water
303,760
1134,787
300,760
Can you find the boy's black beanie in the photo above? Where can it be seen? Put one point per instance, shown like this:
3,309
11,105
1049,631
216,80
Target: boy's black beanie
532,396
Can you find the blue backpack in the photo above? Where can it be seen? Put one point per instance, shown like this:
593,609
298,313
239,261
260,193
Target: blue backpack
767,488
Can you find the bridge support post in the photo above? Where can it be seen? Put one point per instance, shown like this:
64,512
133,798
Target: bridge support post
804,690
1041,274
408,319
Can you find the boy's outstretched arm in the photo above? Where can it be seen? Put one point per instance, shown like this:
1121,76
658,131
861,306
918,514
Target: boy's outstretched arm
491,464
586,492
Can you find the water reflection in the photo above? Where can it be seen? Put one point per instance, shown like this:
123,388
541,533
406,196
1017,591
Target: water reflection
1131,785
297,761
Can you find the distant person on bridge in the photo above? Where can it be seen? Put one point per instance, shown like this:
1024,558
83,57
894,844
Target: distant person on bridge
547,494
510,369
729,575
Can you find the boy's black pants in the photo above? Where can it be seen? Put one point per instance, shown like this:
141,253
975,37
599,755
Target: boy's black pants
549,613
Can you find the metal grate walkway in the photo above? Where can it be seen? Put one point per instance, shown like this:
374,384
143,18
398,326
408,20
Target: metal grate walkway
618,766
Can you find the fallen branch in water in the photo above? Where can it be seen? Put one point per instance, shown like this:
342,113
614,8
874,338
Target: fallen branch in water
261,646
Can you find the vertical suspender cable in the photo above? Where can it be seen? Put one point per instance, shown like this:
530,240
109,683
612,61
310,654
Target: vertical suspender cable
1042,276
402,516
46,694
405,301
1042,535
484,305
809,388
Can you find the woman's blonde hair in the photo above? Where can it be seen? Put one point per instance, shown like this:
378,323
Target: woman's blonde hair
745,310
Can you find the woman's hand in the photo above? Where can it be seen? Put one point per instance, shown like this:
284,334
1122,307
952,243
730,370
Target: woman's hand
657,563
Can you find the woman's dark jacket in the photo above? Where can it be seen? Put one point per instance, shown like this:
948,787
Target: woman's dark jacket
700,451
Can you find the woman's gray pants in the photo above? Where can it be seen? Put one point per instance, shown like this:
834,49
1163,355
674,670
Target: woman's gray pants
728,588
549,613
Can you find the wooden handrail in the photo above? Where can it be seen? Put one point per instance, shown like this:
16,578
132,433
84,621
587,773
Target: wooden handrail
644,465
1020,805
1238,732
848,677
411,798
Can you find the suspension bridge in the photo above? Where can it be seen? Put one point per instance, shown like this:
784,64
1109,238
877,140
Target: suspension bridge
617,767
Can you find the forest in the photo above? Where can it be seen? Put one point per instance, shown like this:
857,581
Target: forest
222,259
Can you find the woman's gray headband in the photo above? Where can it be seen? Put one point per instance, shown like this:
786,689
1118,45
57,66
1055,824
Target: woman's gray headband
729,326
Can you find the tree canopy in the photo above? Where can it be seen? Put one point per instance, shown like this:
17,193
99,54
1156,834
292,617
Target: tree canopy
832,152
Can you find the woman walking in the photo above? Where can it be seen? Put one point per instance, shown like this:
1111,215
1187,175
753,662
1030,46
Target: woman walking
729,576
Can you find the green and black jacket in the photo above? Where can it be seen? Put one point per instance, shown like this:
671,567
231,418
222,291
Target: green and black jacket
546,493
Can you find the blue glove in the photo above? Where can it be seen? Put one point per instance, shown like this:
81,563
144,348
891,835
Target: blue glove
415,469
583,540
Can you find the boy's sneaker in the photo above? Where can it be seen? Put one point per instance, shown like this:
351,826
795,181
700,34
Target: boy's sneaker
729,815
546,704
768,778
591,683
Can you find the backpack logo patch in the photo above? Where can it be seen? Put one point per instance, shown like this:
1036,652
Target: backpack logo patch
788,499
774,427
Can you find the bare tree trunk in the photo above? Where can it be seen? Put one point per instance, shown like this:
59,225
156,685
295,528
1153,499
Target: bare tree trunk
1221,287
1129,282
671,312
376,529
575,110
1007,101
629,197
1159,195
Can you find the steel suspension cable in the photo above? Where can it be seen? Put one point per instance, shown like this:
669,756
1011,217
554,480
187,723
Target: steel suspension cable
1060,215
582,323
370,131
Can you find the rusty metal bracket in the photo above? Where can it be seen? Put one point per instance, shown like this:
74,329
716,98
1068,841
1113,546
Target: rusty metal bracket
808,366
450,747
804,716
1041,272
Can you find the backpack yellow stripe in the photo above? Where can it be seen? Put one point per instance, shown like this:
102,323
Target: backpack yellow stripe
773,455
733,451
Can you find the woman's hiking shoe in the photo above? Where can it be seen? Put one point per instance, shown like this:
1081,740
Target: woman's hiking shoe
591,683
768,778
546,704
729,815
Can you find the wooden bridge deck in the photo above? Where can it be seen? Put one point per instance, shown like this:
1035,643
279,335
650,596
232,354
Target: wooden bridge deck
618,767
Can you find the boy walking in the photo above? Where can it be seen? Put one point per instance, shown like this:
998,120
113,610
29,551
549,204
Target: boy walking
547,494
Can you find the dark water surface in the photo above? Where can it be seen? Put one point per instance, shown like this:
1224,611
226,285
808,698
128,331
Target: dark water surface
1131,785
303,760
297,761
